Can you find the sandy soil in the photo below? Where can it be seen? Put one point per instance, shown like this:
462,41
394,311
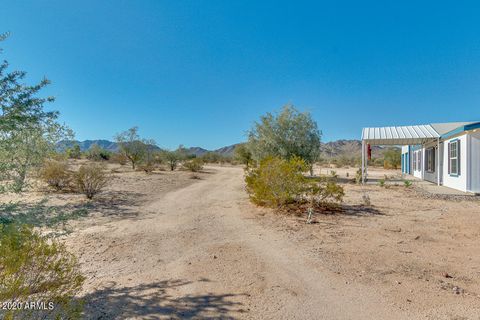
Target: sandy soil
165,246
202,251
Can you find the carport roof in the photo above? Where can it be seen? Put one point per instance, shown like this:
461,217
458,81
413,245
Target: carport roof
401,135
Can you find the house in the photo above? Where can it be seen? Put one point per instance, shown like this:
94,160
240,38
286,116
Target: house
447,154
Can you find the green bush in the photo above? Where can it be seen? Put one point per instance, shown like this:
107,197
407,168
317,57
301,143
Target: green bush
407,183
74,152
96,153
194,165
56,174
36,268
381,182
90,179
277,183
358,176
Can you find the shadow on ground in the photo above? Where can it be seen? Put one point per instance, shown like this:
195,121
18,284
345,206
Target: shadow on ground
116,204
156,300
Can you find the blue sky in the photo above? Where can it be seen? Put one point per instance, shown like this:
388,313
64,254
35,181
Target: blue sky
201,72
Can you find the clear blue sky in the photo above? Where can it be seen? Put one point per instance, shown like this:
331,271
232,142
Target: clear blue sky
200,72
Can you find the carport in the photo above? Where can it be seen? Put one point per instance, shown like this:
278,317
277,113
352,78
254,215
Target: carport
398,136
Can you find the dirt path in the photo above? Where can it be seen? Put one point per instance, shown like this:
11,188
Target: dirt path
198,253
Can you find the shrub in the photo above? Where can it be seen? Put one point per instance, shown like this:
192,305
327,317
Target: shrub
194,165
36,268
56,174
277,182
96,153
147,167
381,182
358,176
119,158
407,183
90,179
74,152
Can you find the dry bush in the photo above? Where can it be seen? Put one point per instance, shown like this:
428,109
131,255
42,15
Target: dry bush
194,165
147,167
119,158
36,268
56,174
90,179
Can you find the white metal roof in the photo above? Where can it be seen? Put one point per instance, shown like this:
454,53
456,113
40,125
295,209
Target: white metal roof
403,135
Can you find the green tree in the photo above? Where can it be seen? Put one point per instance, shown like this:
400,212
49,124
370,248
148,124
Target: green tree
286,135
243,154
132,146
28,133
74,152
172,158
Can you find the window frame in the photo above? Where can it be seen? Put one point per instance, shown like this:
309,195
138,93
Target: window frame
455,159
430,160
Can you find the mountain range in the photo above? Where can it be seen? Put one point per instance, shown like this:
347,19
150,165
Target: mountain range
331,149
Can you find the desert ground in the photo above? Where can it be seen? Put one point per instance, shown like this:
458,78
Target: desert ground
171,246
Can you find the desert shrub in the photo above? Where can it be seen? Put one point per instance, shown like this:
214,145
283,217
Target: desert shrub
90,179
358,176
36,268
381,182
119,158
407,183
96,153
194,165
74,152
147,167
56,174
277,182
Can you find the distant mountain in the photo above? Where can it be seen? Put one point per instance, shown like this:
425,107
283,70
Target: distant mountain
113,147
225,151
332,149
85,145
349,148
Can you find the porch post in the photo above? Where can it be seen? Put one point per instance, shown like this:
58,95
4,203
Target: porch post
438,161
363,161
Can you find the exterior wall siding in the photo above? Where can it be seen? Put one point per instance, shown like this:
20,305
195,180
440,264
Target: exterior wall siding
456,182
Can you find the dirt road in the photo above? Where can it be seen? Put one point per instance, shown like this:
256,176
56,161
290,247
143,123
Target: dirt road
198,252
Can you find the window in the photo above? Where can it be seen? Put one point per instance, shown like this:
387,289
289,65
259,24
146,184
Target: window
430,160
414,161
454,158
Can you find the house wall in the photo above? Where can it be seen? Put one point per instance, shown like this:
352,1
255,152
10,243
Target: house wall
474,163
456,182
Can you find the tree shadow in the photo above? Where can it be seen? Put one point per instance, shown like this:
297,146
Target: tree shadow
116,204
156,300
360,210
347,210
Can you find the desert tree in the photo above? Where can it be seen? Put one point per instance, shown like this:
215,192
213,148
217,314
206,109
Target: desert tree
288,134
172,158
132,146
243,154
28,133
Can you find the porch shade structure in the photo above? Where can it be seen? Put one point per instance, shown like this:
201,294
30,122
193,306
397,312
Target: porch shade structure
397,136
